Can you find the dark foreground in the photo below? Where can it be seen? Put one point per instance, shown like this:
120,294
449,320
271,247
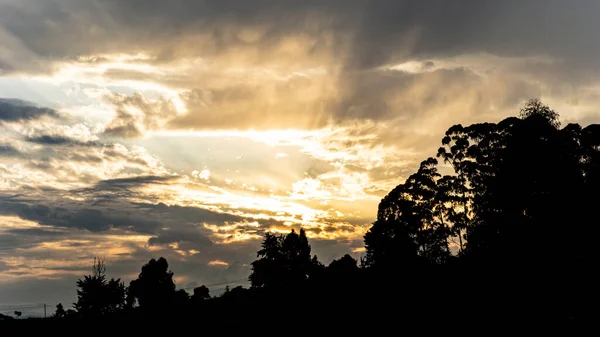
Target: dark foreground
483,303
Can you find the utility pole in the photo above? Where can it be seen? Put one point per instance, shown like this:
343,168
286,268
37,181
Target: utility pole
44,310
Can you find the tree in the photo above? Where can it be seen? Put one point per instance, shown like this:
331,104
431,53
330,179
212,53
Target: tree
154,289
503,192
96,296
116,293
500,196
535,107
409,229
296,253
200,294
346,266
180,299
60,311
18,313
284,261
268,270
520,195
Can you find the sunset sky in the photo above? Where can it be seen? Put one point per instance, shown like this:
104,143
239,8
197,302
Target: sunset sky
133,129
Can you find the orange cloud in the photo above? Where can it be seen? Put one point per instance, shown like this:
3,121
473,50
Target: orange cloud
218,263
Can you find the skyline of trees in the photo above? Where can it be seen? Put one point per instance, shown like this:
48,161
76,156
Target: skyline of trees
511,223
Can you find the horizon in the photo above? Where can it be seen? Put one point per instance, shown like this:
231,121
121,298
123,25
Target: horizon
132,130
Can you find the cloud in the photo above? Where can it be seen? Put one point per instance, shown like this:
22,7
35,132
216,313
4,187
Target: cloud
135,114
270,103
65,135
15,110
58,140
94,220
7,150
370,33
124,183
307,64
204,174
177,228
187,215
192,239
292,103
218,263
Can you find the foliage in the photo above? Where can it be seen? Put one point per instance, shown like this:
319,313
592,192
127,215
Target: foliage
201,293
154,289
60,311
517,188
284,261
98,296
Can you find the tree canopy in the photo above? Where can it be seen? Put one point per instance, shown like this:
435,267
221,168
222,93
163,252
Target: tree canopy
154,289
96,295
284,260
516,189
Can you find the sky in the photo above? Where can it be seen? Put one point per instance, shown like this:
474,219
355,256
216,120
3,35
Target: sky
187,129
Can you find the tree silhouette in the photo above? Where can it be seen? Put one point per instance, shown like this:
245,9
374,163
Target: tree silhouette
409,229
201,293
535,107
297,260
60,311
268,270
154,289
96,296
284,261
345,265
504,183
520,197
342,275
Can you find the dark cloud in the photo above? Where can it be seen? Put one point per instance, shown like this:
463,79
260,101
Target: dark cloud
54,140
379,30
187,214
125,183
124,129
9,151
43,233
94,220
117,23
114,190
168,224
9,243
358,36
15,110
24,238
351,38
187,238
